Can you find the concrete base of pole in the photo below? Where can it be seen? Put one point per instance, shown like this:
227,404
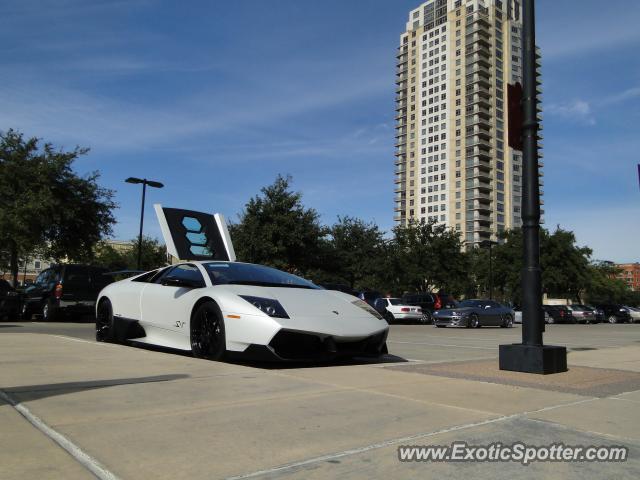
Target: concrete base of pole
541,359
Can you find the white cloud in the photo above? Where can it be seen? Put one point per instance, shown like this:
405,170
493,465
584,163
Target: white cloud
621,97
576,110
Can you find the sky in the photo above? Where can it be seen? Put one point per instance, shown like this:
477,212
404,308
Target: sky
216,98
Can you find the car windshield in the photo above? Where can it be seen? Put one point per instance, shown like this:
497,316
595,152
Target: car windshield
222,273
394,301
468,303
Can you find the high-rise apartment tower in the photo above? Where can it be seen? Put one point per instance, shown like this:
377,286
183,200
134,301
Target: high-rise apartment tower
453,161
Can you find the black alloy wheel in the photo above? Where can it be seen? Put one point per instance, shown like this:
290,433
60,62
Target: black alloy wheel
474,321
507,321
105,331
50,311
207,332
426,319
612,319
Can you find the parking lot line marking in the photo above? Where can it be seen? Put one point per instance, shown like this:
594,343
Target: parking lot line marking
396,441
84,459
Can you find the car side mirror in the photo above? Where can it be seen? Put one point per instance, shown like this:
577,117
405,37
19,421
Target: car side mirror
178,282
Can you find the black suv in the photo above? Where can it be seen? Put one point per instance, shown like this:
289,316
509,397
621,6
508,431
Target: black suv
429,302
614,313
64,289
9,300
559,314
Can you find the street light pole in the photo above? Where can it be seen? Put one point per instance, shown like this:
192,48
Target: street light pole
144,183
531,355
490,244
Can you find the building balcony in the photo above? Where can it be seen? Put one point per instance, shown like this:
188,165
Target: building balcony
401,77
481,154
402,69
481,130
481,69
402,96
400,187
473,120
400,159
482,228
478,89
483,101
481,206
481,196
402,50
401,131
481,217
478,18
477,78
480,162
401,141
401,151
402,105
477,59
477,142
483,174
401,116
478,29
401,86
478,109
482,186
482,38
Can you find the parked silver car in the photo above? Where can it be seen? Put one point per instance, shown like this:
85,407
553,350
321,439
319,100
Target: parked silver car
518,317
473,314
582,313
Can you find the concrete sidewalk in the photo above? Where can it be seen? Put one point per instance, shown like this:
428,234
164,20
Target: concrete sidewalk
148,414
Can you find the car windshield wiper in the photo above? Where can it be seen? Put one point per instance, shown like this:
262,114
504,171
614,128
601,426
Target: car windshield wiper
267,284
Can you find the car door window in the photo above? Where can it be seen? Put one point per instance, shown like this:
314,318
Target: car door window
187,272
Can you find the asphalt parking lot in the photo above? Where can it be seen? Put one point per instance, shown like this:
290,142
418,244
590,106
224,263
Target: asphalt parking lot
73,408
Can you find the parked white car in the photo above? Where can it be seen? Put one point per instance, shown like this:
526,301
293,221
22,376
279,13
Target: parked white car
217,307
394,310
518,317
635,314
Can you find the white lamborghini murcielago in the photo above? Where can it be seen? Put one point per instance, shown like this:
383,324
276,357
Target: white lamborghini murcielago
217,307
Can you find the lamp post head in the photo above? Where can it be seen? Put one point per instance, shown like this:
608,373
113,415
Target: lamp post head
134,180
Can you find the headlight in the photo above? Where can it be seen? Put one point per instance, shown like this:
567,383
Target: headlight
368,308
266,305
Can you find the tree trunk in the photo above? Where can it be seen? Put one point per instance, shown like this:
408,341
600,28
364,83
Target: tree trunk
14,262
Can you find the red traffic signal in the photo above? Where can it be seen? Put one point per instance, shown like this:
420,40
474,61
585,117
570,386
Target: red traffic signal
514,115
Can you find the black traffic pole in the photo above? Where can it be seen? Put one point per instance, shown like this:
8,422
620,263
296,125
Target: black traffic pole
144,183
144,192
531,355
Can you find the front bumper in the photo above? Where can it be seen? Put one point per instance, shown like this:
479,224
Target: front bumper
289,345
450,321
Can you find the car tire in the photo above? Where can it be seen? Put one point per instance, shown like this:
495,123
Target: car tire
551,320
426,319
507,321
612,319
105,331
440,326
208,333
474,321
25,312
50,312
389,318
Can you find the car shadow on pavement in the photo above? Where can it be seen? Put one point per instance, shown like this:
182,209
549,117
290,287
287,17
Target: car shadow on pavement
27,393
345,362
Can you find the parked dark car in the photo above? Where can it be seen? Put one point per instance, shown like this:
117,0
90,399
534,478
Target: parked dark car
474,314
559,314
614,313
429,302
64,290
598,312
369,296
9,300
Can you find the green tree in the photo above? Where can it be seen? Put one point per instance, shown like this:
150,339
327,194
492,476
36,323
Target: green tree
153,255
424,255
45,206
354,254
276,229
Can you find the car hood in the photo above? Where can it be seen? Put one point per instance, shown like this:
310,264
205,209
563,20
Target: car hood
324,311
